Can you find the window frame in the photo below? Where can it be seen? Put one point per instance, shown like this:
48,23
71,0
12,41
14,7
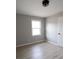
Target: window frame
36,28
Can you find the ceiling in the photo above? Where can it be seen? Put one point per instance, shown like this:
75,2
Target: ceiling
35,8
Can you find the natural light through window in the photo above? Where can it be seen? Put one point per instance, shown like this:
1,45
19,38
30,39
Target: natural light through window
36,27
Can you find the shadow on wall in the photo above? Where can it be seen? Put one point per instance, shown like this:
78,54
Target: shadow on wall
54,25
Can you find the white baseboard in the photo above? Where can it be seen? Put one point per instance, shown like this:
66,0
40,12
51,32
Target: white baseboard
29,43
51,42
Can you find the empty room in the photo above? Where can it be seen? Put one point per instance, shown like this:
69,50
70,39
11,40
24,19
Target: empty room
39,29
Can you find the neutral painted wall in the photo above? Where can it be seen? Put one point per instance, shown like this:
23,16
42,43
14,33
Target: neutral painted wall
24,30
60,30
54,25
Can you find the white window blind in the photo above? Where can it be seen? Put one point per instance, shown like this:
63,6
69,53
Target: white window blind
36,27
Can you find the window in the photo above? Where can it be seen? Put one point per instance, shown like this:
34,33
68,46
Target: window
36,27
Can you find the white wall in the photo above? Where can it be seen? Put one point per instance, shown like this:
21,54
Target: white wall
60,30
24,30
54,25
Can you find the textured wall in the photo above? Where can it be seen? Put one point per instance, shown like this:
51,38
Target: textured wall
24,30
